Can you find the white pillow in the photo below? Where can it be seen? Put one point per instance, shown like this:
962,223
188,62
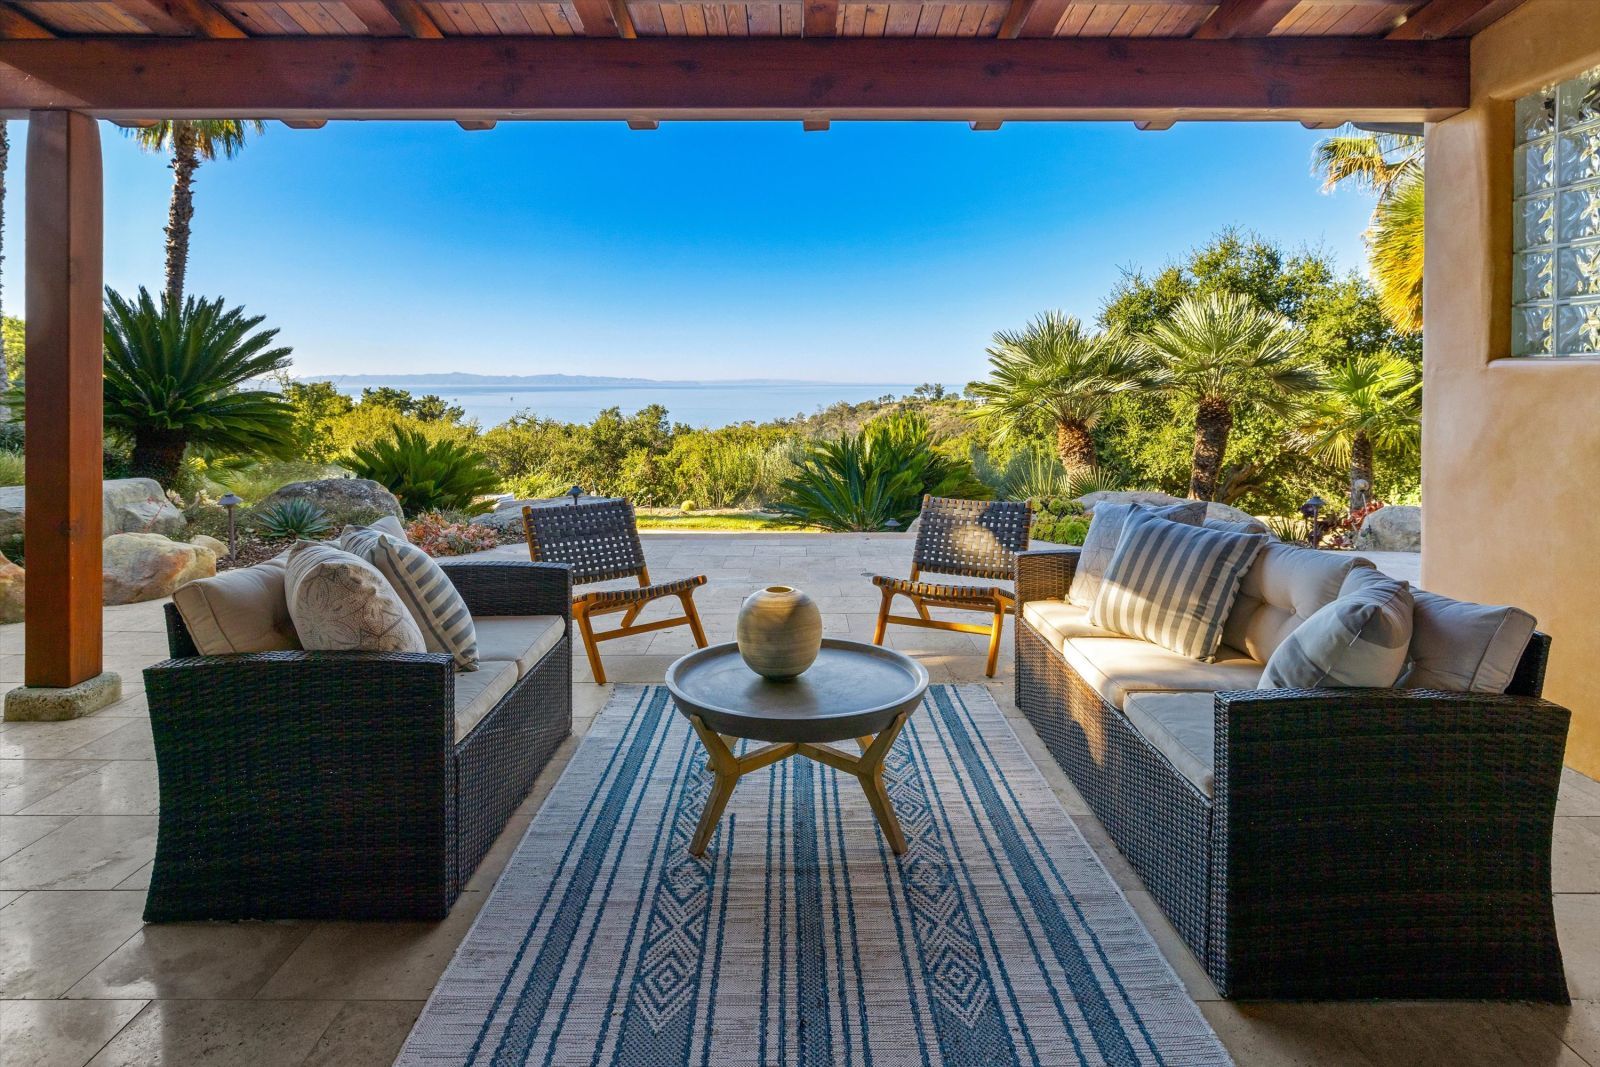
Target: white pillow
1361,639
243,610
340,603
424,588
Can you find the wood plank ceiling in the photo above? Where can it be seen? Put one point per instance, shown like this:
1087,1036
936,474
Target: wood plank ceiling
1206,19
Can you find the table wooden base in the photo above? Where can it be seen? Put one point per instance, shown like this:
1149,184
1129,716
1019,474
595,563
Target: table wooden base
867,767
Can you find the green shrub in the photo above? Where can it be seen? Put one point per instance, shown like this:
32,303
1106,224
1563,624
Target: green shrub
1060,529
863,480
296,517
426,475
11,468
256,481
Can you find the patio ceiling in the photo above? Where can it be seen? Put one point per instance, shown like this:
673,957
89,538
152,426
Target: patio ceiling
1152,61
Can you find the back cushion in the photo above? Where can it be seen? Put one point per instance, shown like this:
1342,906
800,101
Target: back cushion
1285,586
243,610
1105,531
1465,647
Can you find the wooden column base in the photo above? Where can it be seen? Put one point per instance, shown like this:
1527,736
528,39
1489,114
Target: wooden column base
867,767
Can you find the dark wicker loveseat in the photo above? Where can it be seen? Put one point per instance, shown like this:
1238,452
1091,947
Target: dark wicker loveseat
1354,843
332,784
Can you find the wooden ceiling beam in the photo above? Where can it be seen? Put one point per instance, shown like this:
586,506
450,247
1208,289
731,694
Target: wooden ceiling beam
778,78
304,124
821,18
643,124
1153,125
183,18
16,26
985,125
376,16
1244,18
605,18
413,19
1438,18
814,125
475,124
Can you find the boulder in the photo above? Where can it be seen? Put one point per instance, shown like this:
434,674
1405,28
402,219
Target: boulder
507,513
143,566
218,548
128,505
338,497
1214,511
1396,528
11,590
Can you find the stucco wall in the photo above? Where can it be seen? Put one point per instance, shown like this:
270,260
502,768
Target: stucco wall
1511,448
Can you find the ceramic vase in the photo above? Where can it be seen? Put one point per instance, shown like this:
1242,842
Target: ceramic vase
779,632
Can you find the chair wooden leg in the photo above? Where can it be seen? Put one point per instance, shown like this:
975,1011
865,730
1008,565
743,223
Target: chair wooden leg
631,614
693,615
994,640
883,618
589,646
922,609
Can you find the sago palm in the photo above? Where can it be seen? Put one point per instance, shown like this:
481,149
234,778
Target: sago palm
190,142
426,475
173,377
1372,404
1224,352
1388,165
1058,376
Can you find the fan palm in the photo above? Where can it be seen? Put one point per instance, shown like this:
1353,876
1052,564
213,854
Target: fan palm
1224,352
1057,375
173,377
1372,404
1390,166
190,141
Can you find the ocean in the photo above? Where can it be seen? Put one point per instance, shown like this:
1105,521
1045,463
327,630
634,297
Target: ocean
700,404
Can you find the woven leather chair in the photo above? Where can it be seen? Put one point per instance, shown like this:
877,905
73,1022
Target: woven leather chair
600,541
969,538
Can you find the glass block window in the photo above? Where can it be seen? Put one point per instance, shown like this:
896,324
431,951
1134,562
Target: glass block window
1556,225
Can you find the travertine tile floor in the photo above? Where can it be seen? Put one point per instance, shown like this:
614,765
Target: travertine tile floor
82,980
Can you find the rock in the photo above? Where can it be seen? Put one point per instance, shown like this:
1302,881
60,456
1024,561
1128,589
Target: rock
218,548
143,566
507,513
12,581
1214,511
339,497
1396,528
129,505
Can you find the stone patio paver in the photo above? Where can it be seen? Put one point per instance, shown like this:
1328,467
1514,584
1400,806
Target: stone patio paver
82,980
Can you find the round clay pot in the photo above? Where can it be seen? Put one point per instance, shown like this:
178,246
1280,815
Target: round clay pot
779,632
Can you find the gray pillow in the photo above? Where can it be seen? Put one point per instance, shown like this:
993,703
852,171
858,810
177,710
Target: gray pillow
1172,584
1361,639
1105,530
1464,647
1255,526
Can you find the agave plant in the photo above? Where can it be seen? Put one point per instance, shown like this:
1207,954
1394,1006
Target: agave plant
861,481
296,517
426,475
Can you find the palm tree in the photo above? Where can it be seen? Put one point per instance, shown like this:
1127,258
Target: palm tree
1372,404
1056,374
173,377
1388,165
190,141
1224,352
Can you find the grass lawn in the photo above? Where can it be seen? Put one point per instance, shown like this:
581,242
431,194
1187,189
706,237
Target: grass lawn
744,521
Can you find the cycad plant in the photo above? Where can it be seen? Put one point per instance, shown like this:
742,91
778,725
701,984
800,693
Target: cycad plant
174,377
861,481
1389,165
1373,404
1055,375
1224,353
295,517
426,475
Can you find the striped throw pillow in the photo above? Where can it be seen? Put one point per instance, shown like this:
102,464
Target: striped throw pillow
1172,584
431,598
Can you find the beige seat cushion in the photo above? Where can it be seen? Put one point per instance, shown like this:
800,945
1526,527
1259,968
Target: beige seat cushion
244,610
1182,727
1057,620
1117,666
477,692
1285,586
519,639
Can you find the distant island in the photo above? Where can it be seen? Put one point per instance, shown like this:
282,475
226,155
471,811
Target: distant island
462,380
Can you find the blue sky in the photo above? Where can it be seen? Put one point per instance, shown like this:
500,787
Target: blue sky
871,252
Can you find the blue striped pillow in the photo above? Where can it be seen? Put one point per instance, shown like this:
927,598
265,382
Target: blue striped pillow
1172,584
423,587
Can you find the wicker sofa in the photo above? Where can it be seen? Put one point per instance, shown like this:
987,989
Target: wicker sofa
355,785
1333,843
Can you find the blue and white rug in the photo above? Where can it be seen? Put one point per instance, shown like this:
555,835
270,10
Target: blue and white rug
800,939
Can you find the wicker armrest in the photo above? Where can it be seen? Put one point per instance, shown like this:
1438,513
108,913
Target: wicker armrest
1372,833
512,587
1045,573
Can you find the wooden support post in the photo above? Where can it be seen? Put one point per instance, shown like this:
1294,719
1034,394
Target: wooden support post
65,336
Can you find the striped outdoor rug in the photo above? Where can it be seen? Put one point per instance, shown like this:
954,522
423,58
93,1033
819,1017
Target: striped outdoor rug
800,938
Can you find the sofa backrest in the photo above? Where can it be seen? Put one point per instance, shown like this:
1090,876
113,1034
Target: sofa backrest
1285,586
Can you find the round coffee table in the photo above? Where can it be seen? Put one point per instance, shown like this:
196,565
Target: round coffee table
854,691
